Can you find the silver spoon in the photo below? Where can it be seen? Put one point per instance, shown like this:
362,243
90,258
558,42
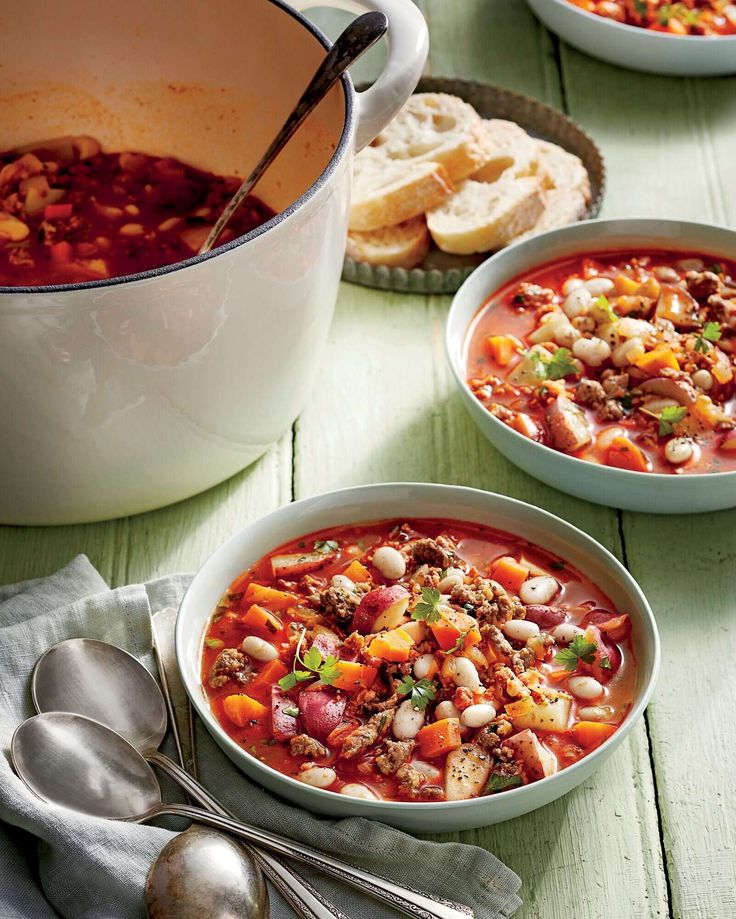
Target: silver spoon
101,681
358,37
81,765
205,873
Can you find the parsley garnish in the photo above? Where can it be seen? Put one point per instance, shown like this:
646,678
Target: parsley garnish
578,650
428,607
422,692
555,366
605,662
668,417
314,666
641,7
603,304
717,268
325,546
502,782
711,333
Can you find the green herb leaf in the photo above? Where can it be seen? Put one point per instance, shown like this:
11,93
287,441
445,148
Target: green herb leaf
603,304
296,676
717,268
502,782
605,662
291,710
214,643
325,546
641,7
329,671
579,649
712,331
561,365
422,692
427,608
668,417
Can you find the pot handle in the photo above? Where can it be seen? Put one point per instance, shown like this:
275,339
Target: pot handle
408,48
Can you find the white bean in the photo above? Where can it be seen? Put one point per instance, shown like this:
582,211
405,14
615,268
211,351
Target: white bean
390,562
424,665
453,577
538,590
679,450
355,790
577,302
585,687
446,709
520,629
592,351
595,712
599,287
627,352
259,649
572,284
318,776
628,327
565,632
703,379
408,721
665,273
343,582
465,674
476,716
690,264
432,772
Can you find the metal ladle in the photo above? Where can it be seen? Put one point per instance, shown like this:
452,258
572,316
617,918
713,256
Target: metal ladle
79,764
358,37
101,681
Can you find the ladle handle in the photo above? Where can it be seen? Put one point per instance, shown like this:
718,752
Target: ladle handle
357,38
304,899
404,899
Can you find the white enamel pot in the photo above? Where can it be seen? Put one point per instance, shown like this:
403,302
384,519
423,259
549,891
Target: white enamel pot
124,395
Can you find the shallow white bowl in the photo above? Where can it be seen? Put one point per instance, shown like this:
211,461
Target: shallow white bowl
377,502
635,491
639,49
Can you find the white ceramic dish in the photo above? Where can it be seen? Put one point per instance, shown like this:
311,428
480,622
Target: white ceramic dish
638,49
376,502
123,395
651,492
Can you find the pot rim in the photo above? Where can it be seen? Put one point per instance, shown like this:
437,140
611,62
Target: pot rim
314,188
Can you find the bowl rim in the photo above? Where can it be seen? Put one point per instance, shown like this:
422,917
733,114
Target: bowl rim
297,509
623,475
280,217
625,28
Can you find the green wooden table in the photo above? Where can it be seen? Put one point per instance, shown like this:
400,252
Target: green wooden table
654,832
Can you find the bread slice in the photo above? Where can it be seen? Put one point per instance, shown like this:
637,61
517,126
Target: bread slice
485,216
402,246
435,127
507,147
562,170
386,193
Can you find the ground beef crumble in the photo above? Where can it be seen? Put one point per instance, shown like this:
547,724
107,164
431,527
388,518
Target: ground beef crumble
229,664
304,745
367,734
438,553
396,753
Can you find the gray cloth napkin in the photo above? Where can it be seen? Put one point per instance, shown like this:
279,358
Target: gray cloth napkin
57,863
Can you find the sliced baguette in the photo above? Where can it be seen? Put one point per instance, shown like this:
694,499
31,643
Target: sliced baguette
484,216
507,147
402,246
562,170
560,208
435,127
387,193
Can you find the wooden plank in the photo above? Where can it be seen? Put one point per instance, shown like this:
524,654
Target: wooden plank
386,397
676,157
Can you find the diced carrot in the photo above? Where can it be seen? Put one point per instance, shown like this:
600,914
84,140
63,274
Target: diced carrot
557,676
61,252
617,627
243,710
591,734
57,211
448,629
353,676
440,737
393,646
357,572
729,442
623,454
503,348
268,596
260,686
260,620
509,573
653,362
623,285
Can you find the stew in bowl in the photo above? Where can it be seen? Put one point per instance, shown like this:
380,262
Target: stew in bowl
687,17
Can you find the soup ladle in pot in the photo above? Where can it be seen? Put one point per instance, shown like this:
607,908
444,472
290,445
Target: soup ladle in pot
101,681
358,37
81,765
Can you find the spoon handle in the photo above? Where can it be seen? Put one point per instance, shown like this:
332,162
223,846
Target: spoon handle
357,38
303,898
408,901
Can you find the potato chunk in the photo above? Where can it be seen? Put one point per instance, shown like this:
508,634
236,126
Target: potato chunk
466,772
537,760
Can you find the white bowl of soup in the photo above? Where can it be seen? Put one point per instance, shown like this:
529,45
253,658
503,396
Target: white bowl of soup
601,358
430,656
696,39
136,372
